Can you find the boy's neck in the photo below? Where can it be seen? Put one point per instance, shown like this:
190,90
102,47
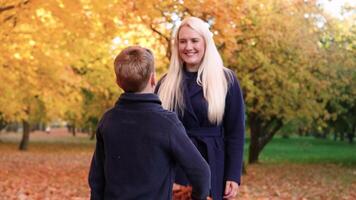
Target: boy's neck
147,90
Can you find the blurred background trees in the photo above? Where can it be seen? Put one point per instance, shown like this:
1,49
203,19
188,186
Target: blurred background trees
295,62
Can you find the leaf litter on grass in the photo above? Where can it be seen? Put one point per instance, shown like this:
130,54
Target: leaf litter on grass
59,171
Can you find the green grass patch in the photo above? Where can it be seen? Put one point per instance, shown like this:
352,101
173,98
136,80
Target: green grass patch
279,150
307,150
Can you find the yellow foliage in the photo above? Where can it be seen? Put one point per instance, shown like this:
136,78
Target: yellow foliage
61,52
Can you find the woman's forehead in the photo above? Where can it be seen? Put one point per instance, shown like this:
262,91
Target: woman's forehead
186,32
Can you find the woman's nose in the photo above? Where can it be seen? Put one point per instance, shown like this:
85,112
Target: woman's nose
189,45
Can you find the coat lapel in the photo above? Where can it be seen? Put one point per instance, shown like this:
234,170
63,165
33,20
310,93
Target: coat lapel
189,111
195,89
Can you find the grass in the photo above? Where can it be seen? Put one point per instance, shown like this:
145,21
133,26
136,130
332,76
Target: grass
280,150
307,150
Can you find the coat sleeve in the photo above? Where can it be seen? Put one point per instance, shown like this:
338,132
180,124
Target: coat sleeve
190,160
96,172
234,131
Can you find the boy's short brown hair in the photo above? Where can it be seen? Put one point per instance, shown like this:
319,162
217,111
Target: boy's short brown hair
133,67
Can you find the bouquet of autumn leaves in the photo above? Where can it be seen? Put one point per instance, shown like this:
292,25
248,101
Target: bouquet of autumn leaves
183,192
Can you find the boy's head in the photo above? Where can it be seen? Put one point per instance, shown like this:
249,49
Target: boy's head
134,69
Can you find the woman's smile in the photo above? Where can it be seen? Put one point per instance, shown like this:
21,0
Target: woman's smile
191,47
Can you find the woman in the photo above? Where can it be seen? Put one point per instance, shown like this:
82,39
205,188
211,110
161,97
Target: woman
208,100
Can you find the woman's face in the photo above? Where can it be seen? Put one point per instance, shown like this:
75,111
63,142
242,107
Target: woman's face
191,47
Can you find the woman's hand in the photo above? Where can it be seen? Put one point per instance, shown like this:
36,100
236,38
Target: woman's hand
176,187
181,192
231,189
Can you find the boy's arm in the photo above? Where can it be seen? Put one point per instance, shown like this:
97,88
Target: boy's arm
191,161
96,173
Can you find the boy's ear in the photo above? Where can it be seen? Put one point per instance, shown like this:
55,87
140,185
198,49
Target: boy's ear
118,82
153,79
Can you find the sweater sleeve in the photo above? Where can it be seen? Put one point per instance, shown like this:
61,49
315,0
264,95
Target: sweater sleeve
96,172
191,161
234,131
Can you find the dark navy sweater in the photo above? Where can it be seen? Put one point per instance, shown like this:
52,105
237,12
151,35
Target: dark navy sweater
139,145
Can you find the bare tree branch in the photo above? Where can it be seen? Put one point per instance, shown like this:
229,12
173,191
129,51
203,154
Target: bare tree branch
5,8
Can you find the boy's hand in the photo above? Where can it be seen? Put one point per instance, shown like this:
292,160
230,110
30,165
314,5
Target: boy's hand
231,189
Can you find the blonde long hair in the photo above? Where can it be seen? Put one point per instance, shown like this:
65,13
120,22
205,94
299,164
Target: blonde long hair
211,74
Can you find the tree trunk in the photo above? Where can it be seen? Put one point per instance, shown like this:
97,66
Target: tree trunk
342,136
244,171
74,131
262,132
92,134
300,131
254,144
43,126
25,136
253,153
3,123
350,137
352,134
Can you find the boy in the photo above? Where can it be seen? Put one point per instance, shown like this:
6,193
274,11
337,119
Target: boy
139,143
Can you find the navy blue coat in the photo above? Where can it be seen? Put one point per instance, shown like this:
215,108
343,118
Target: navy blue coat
138,147
221,145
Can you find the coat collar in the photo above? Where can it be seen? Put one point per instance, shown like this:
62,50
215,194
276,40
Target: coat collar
190,88
190,78
138,100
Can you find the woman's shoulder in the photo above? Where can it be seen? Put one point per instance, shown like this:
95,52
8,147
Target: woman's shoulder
234,91
159,83
230,76
163,77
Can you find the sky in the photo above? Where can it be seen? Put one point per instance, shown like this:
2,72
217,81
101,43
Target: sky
334,7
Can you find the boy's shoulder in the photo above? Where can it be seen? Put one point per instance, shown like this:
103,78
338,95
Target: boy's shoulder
162,114
170,116
106,114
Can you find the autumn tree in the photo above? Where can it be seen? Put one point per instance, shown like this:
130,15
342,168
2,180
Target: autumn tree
34,64
274,48
279,63
339,43
57,58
